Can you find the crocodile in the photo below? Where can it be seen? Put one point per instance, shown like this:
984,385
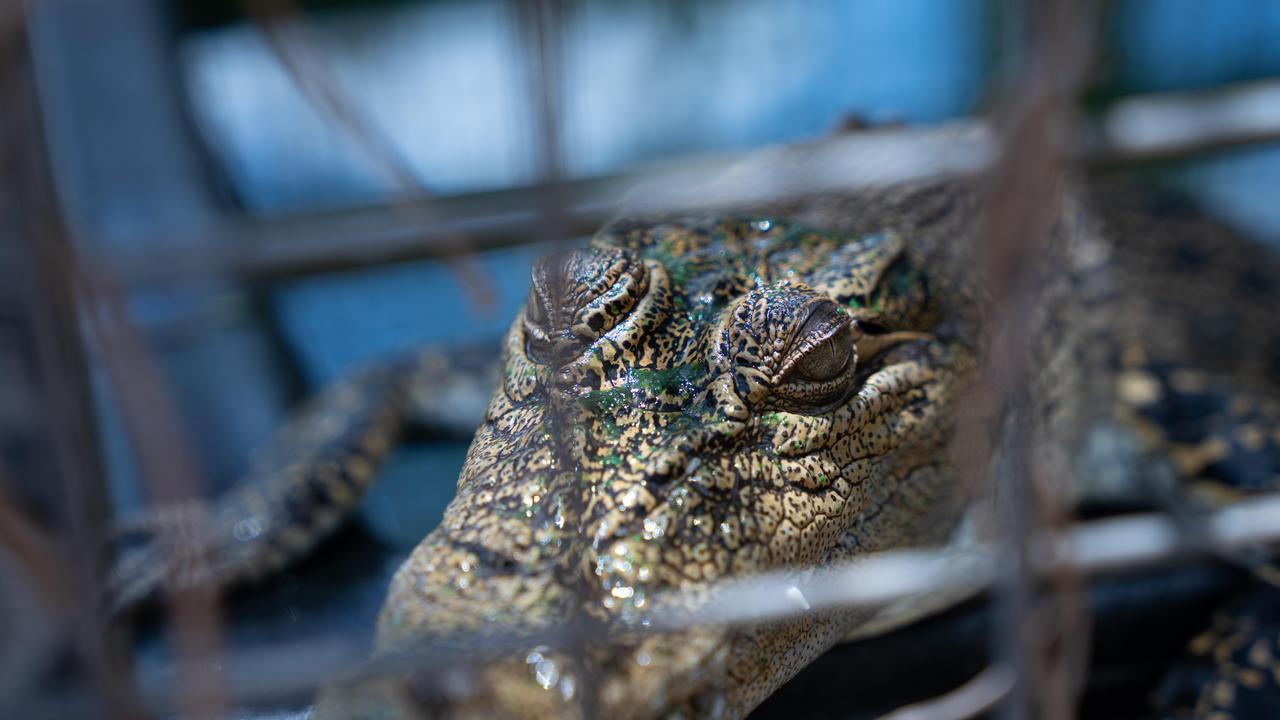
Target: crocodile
693,399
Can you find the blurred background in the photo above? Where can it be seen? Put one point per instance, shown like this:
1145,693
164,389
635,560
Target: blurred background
277,192
193,129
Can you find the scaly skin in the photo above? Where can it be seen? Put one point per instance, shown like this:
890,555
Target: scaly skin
683,403
688,401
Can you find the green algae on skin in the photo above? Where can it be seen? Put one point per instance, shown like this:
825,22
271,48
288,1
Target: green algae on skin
606,402
678,269
681,382
771,419
875,304
611,429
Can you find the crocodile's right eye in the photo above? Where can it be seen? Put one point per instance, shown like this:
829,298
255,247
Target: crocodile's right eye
819,369
826,348
577,296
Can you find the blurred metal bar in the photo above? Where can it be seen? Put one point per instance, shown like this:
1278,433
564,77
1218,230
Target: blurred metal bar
124,155
287,247
541,23
283,25
972,699
38,274
1137,129
1090,548
162,449
291,671
1151,127
1037,114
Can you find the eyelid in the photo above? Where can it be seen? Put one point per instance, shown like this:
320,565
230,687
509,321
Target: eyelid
802,369
824,321
824,324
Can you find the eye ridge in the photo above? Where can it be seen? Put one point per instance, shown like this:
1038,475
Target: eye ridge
537,337
575,296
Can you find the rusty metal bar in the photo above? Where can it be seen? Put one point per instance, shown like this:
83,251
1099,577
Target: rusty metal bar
256,249
38,272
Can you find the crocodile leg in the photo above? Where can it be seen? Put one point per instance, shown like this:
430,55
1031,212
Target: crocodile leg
300,487
1224,443
1232,669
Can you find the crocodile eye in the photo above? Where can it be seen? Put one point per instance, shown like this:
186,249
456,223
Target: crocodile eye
819,369
577,296
826,360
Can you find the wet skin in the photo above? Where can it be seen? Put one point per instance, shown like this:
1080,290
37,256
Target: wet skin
692,400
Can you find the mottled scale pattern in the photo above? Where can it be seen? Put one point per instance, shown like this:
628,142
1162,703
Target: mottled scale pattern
300,487
1193,348
682,443
692,399
1233,668
686,401
1223,445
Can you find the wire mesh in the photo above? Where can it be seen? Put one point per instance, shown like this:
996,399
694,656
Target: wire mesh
1024,155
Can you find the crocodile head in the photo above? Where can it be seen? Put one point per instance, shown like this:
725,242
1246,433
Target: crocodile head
683,403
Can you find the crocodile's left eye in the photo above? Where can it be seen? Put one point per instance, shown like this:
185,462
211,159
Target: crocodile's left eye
819,368
577,296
